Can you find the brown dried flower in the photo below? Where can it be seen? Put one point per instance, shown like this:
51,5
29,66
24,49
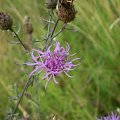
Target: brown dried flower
51,4
66,11
6,21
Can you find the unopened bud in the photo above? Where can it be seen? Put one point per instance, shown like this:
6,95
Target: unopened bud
28,30
6,21
28,25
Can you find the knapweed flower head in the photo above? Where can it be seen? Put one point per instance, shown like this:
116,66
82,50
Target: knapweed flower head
110,117
53,63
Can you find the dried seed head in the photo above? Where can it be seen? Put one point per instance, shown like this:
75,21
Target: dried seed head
6,21
66,12
51,4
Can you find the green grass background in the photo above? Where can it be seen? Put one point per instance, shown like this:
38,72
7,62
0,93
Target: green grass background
95,88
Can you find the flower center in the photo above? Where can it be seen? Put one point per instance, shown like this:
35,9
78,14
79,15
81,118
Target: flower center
55,62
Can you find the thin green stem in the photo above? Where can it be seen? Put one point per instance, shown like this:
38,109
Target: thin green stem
49,41
21,96
49,23
18,39
50,37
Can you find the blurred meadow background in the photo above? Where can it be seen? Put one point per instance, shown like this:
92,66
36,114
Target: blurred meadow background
95,88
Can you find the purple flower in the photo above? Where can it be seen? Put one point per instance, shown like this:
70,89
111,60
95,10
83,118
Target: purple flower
52,63
110,117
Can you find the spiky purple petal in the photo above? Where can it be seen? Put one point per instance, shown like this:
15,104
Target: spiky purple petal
110,117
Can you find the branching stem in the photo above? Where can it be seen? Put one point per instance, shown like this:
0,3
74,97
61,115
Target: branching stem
49,40
28,83
61,30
